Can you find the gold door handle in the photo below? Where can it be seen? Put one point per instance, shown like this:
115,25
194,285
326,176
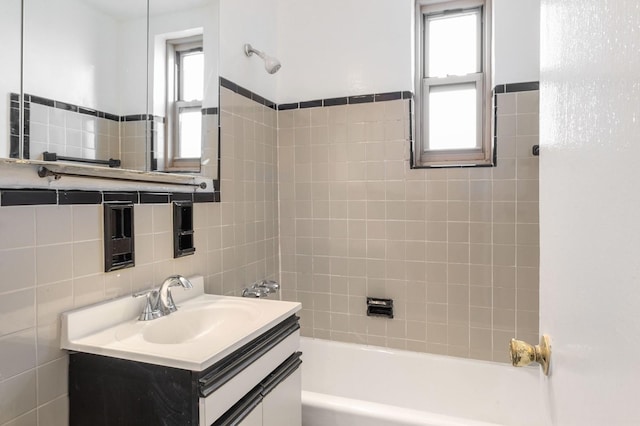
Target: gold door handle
522,353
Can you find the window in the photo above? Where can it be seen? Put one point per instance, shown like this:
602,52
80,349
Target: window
185,89
453,99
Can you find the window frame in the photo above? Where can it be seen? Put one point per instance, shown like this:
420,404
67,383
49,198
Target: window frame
483,153
176,48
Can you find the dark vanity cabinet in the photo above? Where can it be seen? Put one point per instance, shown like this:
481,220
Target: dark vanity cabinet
237,390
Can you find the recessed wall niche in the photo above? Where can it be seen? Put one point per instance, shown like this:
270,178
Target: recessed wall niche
118,236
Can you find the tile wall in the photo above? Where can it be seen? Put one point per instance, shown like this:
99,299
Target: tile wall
71,134
68,133
133,144
249,208
210,135
457,249
51,259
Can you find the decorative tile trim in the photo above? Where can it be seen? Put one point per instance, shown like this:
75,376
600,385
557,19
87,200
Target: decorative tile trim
205,197
34,197
361,99
208,111
28,197
311,104
154,198
181,196
227,84
284,107
346,100
80,109
79,197
137,117
129,197
336,101
517,87
69,107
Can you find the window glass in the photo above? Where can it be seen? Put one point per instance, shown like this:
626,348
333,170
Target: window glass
453,117
192,76
453,44
190,128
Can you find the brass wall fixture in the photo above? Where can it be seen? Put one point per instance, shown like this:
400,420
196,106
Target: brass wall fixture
523,353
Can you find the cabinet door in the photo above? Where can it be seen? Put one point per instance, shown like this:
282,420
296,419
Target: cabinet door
282,406
254,418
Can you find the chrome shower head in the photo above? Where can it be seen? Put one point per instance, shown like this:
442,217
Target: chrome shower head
271,64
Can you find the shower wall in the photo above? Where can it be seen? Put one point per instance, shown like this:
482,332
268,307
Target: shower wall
456,249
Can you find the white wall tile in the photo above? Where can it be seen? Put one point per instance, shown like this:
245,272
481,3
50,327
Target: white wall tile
18,269
87,222
17,311
88,258
17,227
52,380
53,225
54,263
17,395
18,353
51,300
29,419
48,341
54,413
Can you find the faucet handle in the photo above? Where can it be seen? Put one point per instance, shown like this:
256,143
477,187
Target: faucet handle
148,313
269,285
255,292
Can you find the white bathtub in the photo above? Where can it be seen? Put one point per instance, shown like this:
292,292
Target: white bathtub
355,385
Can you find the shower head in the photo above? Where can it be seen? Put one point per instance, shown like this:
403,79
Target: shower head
271,64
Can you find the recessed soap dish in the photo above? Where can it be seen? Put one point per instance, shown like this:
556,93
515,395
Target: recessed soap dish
183,237
119,247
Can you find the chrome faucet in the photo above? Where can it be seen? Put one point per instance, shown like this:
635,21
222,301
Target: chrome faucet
159,301
165,302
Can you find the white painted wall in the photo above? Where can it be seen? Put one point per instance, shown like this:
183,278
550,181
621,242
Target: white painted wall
351,47
70,53
184,23
10,69
344,47
516,41
132,66
254,22
589,204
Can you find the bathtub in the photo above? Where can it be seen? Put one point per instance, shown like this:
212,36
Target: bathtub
346,384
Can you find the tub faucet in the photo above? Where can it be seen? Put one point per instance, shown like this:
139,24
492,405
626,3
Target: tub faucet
164,302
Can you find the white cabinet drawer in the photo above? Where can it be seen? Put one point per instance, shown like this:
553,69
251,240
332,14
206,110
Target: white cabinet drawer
224,397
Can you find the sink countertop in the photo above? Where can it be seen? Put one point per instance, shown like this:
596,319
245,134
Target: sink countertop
204,330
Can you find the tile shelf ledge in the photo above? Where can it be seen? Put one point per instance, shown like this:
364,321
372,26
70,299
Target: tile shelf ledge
18,173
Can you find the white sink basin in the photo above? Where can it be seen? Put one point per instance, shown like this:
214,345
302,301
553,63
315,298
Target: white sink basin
204,330
194,320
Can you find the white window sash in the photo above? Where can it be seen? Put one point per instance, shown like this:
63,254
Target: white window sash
179,107
477,9
483,154
470,153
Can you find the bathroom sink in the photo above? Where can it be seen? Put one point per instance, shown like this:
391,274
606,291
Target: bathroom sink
204,330
194,321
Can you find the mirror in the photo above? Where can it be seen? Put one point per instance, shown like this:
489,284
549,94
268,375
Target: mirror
84,80
10,12
90,81
183,85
